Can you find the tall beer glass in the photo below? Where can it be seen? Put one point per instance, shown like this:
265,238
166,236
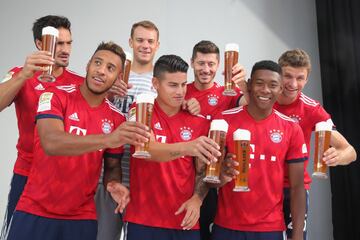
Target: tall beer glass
217,132
49,36
242,151
127,67
231,58
144,109
322,143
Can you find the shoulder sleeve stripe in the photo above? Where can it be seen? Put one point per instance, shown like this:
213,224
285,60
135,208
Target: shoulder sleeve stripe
233,110
296,160
308,101
67,88
112,107
282,116
42,116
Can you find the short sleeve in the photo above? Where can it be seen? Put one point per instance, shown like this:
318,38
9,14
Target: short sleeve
297,151
50,106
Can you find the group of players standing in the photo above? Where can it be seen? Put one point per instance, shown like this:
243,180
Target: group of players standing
68,130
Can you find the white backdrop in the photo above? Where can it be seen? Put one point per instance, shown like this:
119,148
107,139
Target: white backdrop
263,29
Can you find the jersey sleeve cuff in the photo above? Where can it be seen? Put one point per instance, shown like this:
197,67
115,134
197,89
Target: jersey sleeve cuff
296,160
42,116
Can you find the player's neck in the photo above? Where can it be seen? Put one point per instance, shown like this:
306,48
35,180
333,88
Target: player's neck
201,87
139,68
57,71
257,113
94,100
167,109
284,100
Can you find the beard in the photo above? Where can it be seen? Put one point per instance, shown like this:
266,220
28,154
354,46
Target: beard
94,91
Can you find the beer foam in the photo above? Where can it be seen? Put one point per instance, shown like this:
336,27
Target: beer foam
323,126
50,31
145,98
241,134
219,125
232,47
128,56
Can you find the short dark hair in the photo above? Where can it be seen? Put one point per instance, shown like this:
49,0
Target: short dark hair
295,58
170,64
266,65
145,24
205,47
49,20
113,47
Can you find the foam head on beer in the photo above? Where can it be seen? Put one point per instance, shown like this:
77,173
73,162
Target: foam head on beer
50,31
219,125
128,56
145,98
232,47
323,126
241,134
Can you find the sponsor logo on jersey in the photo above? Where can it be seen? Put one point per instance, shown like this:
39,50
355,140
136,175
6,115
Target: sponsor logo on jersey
295,117
78,131
39,87
106,126
45,101
213,99
74,117
186,133
7,77
158,126
276,135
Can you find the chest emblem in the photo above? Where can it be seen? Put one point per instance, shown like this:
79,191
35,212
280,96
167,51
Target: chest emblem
295,117
213,99
186,133
276,136
106,126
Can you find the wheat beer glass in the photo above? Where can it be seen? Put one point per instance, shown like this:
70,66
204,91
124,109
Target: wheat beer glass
217,132
144,109
322,143
127,67
242,151
231,58
49,36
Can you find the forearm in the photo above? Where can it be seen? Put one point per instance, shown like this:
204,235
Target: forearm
201,188
65,144
347,155
297,208
163,152
112,170
9,89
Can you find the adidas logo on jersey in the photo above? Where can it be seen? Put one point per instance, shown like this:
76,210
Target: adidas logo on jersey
158,126
39,87
74,117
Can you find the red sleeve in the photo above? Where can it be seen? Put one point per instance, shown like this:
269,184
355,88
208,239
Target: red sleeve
50,105
297,151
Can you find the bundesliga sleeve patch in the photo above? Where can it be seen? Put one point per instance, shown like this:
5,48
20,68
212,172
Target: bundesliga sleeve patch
304,148
45,102
7,77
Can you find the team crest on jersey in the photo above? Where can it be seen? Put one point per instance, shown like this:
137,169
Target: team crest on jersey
213,99
106,126
295,117
186,133
7,77
276,135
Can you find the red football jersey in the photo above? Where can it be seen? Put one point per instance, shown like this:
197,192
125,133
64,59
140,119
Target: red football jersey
307,112
275,141
63,187
212,101
25,105
159,189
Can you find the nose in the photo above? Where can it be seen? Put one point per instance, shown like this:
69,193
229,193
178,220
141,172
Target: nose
101,69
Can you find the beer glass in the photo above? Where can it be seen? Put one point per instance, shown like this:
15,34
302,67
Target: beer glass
217,132
49,36
322,143
242,151
231,58
144,109
127,67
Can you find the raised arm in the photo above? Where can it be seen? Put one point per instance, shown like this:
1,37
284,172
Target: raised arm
11,87
55,141
340,152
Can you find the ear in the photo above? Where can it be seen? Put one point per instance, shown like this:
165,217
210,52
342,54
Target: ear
130,42
157,45
38,44
248,85
192,62
87,66
155,83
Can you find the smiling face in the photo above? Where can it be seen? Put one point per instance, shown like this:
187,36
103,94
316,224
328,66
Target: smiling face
205,66
294,80
144,43
264,88
102,71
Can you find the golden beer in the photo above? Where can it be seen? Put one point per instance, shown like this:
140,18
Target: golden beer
217,132
242,152
127,67
322,143
144,109
49,36
231,58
